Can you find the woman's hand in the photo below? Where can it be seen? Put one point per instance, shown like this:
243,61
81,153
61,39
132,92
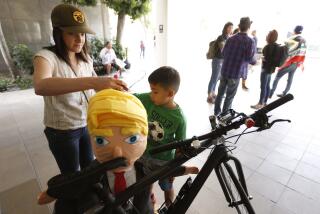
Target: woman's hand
108,82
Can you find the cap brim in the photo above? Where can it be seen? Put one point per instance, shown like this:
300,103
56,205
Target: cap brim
78,29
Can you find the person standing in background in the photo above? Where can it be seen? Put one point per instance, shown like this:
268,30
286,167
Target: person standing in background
142,49
237,53
268,67
217,60
244,79
255,38
296,50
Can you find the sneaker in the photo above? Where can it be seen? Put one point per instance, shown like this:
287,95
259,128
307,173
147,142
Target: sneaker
257,106
245,88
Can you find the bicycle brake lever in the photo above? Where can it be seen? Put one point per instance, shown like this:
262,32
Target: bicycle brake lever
279,120
269,125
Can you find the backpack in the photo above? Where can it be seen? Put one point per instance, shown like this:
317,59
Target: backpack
281,54
213,48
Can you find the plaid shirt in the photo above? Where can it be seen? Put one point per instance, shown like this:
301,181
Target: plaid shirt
238,52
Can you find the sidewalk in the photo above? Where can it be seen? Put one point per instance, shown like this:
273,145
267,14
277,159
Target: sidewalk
281,165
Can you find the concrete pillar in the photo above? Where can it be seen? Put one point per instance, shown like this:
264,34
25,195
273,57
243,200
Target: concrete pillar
161,32
106,33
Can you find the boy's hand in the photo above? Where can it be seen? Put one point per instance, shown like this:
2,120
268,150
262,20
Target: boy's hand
178,153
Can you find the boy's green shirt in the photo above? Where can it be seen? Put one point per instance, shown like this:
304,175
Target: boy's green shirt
172,120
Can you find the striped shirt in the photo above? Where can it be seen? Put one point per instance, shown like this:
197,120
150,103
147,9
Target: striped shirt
238,52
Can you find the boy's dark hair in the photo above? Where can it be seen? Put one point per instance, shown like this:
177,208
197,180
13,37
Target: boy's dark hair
167,77
60,48
245,24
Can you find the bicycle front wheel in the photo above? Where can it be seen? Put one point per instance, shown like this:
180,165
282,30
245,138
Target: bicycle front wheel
233,190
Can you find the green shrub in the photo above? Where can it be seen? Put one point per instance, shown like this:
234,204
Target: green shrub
120,53
4,83
95,45
23,82
22,58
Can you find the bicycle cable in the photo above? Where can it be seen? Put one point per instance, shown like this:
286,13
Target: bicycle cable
243,133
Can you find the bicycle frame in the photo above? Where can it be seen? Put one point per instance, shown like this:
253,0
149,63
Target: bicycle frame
241,177
218,156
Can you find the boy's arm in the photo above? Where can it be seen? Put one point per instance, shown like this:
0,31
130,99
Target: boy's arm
182,129
181,133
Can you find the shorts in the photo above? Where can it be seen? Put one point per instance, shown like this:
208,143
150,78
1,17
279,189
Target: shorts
152,164
166,184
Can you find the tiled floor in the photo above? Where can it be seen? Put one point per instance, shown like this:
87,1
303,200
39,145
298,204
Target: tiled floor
282,165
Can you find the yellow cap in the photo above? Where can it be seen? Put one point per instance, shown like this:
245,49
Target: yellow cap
116,108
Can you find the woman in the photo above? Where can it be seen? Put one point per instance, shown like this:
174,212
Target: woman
217,61
268,68
64,76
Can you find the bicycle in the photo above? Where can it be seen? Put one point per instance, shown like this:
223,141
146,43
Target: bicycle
232,183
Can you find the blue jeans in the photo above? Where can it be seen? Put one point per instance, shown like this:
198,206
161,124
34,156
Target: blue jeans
290,70
265,78
71,148
215,75
229,86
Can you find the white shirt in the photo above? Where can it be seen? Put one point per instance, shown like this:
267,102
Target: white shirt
66,111
107,55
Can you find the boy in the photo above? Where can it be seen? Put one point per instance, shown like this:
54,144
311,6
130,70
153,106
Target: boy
167,123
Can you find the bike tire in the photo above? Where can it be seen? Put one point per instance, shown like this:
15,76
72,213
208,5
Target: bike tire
235,190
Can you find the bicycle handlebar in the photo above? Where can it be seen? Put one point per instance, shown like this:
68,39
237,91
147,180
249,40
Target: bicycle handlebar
218,132
273,105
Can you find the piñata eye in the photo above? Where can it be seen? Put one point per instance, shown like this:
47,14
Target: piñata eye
101,141
133,139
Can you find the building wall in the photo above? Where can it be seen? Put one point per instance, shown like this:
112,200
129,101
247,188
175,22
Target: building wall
28,22
160,19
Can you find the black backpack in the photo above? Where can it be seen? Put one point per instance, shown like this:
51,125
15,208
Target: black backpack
280,55
213,49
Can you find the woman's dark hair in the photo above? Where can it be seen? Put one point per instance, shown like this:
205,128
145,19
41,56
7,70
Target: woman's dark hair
60,48
225,28
272,37
166,77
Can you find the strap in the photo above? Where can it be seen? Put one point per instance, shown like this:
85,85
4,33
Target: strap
74,72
